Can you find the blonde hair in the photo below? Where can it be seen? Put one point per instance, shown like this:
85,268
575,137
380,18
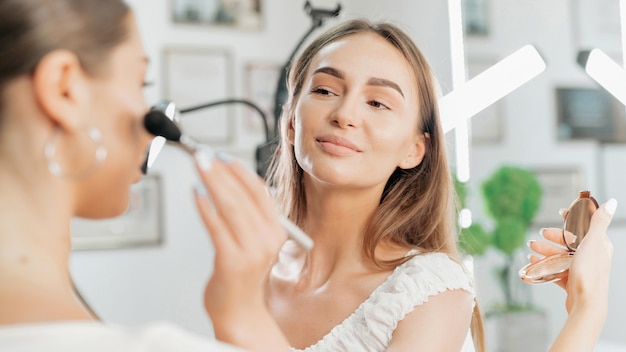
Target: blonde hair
417,207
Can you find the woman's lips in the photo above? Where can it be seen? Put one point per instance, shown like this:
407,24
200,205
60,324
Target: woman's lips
337,145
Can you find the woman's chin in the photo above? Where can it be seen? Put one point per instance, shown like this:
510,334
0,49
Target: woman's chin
137,176
101,212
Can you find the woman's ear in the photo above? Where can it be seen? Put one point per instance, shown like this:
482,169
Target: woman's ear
60,88
416,152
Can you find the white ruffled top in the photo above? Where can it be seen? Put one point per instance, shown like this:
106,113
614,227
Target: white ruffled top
370,327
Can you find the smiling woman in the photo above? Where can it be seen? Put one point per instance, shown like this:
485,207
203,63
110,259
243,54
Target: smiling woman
363,171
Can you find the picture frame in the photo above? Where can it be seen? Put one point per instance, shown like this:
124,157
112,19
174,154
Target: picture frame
261,80
487,126
141,224
597,24
475,18
560,187
238,14
195,76
589,113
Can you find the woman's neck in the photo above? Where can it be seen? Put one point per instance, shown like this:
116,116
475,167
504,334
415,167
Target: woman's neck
34,250
36,283
336,221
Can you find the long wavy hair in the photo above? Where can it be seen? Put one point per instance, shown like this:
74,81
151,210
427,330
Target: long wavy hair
417,206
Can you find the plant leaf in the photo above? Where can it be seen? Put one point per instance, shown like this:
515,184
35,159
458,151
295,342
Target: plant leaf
509,235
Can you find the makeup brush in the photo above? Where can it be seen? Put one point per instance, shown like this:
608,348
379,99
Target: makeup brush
158,124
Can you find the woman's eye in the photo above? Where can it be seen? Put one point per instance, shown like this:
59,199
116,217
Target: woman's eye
322,91
378,105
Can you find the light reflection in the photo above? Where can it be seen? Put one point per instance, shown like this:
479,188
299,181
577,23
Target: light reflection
459,75
607,73
487,87
465,218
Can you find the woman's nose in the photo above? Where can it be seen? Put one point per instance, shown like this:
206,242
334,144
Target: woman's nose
345,114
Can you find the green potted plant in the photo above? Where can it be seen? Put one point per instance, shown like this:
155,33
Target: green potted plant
512,197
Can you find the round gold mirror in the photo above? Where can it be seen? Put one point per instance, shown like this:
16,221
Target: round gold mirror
575,227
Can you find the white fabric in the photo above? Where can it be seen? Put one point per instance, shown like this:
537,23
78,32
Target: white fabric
370,327
98,337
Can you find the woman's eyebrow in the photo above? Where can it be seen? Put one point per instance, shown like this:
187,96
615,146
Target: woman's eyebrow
329,71
382,82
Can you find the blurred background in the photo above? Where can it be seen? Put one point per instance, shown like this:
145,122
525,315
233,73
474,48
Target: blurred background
555,135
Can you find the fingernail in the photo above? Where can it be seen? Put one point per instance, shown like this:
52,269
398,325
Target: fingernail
201,192
610,206
561,211
224,157
530,242
541,232
203,160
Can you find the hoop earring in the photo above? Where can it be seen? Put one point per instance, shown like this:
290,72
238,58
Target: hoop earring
55,169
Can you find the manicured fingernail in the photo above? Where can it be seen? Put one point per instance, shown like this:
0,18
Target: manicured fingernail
542,231
561,211
203,159
201,192
224,157
610,206
530,242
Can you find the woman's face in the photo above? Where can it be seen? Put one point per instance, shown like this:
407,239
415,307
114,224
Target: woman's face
357,115
117,108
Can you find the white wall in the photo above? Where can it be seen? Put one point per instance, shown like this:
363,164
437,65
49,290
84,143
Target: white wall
132,286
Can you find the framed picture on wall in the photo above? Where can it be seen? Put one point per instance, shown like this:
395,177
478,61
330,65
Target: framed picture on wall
560,187
589,113
261,80
487,125
242,14
198,76
140,225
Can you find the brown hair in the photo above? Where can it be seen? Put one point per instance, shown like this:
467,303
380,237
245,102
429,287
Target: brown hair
30,29
417,207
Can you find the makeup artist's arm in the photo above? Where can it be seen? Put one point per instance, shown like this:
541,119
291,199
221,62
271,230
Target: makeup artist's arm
244,227
587,284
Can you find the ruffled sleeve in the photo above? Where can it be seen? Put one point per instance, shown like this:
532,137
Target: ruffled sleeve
411,284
